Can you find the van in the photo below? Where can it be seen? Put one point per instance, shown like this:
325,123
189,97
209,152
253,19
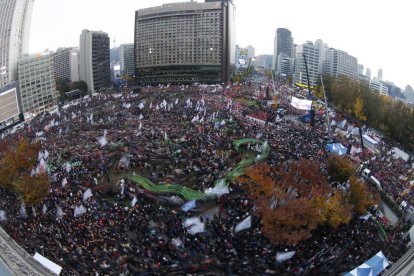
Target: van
375,182
366,173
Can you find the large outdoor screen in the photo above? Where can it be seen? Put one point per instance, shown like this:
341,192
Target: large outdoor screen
9,105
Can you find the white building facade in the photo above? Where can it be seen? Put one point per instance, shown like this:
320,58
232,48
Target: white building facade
37,82
311,52
15,17
339,63
66,64
376,85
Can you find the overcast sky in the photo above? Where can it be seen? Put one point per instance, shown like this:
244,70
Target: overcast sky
377,32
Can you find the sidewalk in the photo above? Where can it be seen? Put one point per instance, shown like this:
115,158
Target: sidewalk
15,261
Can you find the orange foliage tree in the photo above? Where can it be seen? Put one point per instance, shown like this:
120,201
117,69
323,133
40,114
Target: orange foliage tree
33,189
16,162
340,168
333,210
361,196
285,197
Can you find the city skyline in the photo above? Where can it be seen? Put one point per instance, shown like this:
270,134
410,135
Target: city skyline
373,32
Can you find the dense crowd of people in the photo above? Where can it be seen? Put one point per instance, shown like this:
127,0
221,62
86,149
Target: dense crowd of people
174,134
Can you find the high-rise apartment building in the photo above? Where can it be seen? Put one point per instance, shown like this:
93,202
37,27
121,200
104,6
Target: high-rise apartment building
15,17
95,60
37,82
283,44
339,63
66,64
126,59
311,52
185,42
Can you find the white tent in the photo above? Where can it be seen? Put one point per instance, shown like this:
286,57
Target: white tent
400,154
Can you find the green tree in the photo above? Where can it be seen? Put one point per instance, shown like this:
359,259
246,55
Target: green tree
81,85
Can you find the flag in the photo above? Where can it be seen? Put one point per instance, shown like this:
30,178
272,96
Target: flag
284,256
79,211
188,206
245,224
64,182
87,194
2,216
134,201
195,225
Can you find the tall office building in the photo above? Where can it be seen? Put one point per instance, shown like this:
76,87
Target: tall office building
312,57
283,44
185,43
379,76
66,64
284,66
368,73
126,59
95,60
339,63
360,69
37,82
15,17
323,48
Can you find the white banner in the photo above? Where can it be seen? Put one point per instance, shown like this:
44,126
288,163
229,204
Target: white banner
301,104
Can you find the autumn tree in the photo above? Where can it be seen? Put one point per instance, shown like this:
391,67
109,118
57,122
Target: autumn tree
333,210
359,109
340,168
393,118
33,189
285,197
16,162
361,197
290,222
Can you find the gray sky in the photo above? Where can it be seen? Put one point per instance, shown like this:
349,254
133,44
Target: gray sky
377,32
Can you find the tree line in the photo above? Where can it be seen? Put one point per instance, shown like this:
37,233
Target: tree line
393,118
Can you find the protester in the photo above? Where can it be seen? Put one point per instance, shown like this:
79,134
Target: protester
96,221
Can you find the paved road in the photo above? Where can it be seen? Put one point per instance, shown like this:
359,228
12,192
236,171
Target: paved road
15,261
4,270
